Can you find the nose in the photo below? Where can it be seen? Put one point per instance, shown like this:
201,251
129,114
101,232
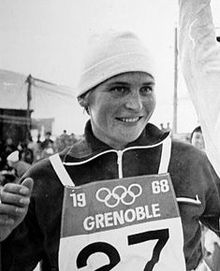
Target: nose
134,101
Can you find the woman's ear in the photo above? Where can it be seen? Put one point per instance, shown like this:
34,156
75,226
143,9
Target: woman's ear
84,102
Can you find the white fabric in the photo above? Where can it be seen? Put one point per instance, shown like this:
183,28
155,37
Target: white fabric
165,156
112,53
13,157
200,62
60,170
203,267
211,239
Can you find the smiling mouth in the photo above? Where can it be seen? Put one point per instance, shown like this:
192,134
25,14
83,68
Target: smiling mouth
129,120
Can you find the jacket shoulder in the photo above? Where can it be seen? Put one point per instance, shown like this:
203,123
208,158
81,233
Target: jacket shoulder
192,163
187,150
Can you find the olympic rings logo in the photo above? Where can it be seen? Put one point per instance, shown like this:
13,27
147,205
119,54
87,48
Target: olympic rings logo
119,194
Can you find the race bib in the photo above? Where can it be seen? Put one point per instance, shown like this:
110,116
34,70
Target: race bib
124,224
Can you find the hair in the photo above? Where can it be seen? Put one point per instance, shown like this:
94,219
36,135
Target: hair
83,101
198,129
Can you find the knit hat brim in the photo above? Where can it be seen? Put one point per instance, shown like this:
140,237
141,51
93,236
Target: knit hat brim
124,53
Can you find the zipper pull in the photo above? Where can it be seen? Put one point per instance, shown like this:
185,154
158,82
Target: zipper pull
119,162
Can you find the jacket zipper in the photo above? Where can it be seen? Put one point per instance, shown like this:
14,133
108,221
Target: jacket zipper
119,162
119,154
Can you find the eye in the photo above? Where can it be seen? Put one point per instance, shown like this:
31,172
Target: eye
146,89
119,90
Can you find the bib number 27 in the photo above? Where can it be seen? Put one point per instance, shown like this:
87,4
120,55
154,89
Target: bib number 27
114,258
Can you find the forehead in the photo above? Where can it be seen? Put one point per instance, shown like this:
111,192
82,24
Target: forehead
131,76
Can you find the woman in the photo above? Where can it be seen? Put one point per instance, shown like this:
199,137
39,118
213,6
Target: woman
123,197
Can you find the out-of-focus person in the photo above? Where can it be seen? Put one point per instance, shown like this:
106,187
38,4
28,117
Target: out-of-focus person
7,147
20,166
196,138
47,146
47,141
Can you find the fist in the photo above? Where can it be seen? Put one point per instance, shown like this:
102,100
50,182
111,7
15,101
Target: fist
14,202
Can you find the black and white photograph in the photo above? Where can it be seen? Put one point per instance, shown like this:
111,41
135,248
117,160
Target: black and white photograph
109,135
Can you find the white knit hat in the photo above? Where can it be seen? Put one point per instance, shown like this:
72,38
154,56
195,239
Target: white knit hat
113,53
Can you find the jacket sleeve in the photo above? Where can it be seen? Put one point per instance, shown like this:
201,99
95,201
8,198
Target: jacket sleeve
211,200
37,237
22,250
199,54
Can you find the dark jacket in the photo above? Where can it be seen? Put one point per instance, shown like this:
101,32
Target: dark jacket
38,235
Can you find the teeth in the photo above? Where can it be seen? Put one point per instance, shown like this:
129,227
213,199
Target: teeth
130,119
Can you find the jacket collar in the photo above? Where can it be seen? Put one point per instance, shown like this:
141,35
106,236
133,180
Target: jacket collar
89,145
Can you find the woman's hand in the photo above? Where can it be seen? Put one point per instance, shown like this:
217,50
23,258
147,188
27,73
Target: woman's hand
14,202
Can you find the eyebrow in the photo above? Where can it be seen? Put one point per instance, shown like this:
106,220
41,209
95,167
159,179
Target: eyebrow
128,84
119,83
149,83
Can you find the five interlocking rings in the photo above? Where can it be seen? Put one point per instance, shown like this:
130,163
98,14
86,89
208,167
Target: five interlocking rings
119,193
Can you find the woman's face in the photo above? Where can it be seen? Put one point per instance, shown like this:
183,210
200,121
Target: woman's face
121,106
